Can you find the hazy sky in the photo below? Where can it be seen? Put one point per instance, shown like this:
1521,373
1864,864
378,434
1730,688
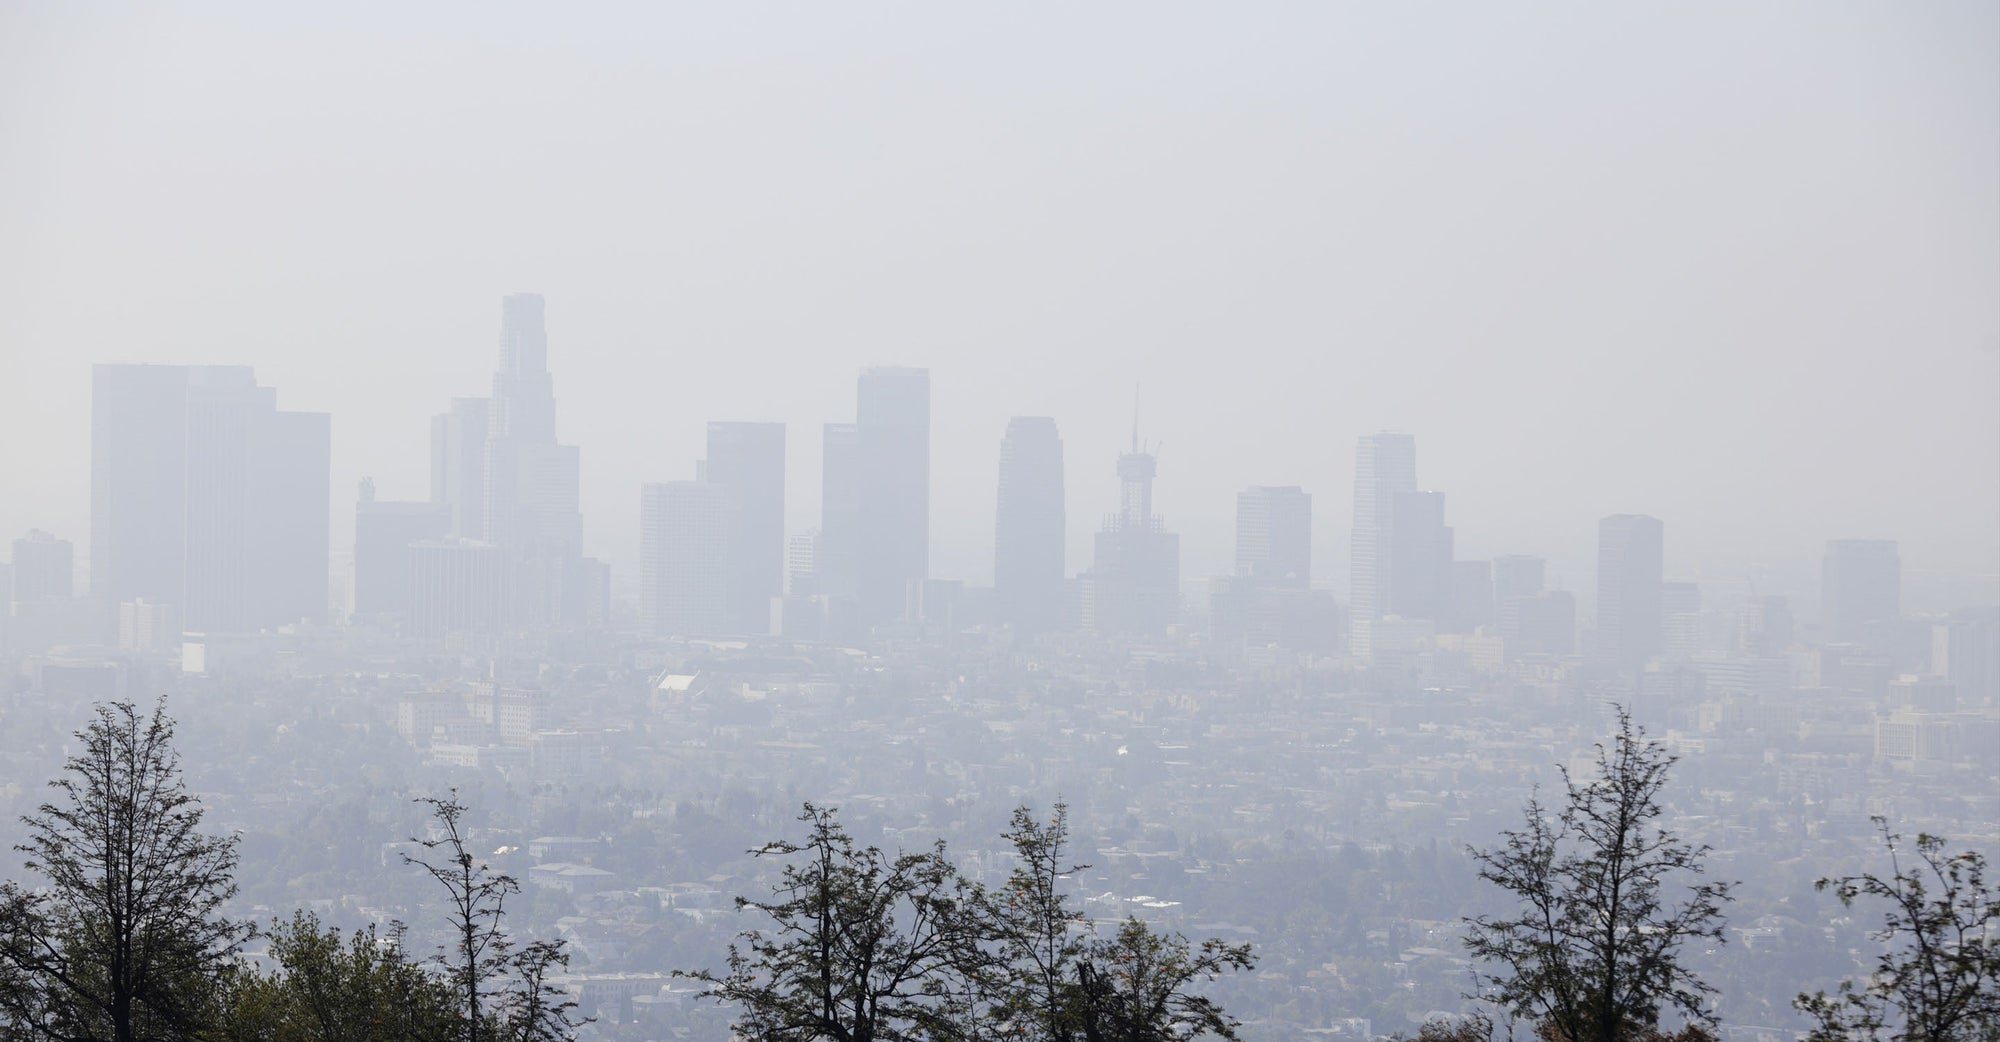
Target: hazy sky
1735,265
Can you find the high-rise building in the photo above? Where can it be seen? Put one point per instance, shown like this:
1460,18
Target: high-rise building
1965,650
1274,536
1767,626
802,564
1680,619
747,462
1861,593
1028,529
383,533
893,427
840,524
44,569
1385,465
457,586
531,482
458,465
1516,578
1630,552
684,567
1547,625
1133,586
1419,558
208,498
1471,597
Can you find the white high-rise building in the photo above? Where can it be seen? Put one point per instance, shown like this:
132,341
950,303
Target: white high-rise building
1385,466
1029,526
207,498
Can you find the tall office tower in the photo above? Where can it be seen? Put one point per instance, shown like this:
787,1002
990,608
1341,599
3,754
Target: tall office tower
1630,549
1965,649
206,497
1274,536
1767,626
1133,587
1419,558
530,480
457,586
383,532
840,521
458,464
1680,619
1028,526
747,462
1861,593
138,482
44,569
1471,597
802,564
1516,577
531,487
893,423
1547,625
684,568
1385,465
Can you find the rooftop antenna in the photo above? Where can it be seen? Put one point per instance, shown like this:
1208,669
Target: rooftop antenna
1135,416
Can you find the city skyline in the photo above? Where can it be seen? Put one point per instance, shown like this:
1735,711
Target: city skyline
446,430
1527,284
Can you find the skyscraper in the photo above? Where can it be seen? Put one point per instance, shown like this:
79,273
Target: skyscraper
206,497
1419,558
1630,550
1471,596
839,556
44,569
1133,586
458,464
684,567
138,482
1680,619
893,427
1385,465
531,482
457,586
1274,536
1028,529
1861,592
747,462
1516,578
383,533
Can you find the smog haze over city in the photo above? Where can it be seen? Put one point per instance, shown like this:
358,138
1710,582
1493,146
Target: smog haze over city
1268,445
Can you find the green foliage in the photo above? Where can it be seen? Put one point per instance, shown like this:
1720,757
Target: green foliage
868,946
1036,942
1938,979
863,946
501,988
1134,986
127,940
325,990
1593,954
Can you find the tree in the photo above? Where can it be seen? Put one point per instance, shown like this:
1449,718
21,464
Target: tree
869,947
364,989
1939,978
1594,952
1037,942
863,947
126,938
502,990
1134,986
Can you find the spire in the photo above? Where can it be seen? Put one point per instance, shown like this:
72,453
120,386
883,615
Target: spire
1135,416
